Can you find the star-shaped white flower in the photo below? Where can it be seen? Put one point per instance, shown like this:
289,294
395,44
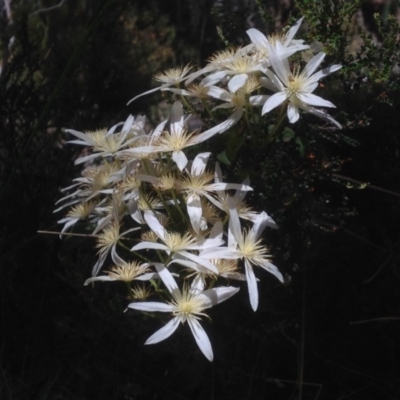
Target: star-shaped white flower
295,87
188,306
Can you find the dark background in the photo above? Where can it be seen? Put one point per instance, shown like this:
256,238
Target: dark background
331,332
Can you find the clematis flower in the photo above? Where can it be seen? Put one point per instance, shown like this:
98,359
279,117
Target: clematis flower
176,243
288,46
188,306
248,247
295,88
197,184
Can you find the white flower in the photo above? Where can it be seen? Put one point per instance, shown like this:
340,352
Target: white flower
186,305
287,47
295,87
197,184
176,243
125,272
248,247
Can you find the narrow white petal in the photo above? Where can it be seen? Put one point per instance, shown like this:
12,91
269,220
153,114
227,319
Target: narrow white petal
292,113
259,225
222,127
274,101
216,231
166,277
165,332
87,139
152,306
143,94
199,163
252,285
235,230
149,245
212,297
104,278
180,159
99,263
272,269
280,66
193,205
201,338
313,64
155,225
323,115
205,263
177,119
218,93
292,32
257,38
237,82
324,72
314,100
213,78
258,100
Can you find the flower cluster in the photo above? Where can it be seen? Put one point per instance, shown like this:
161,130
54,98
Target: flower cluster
162,214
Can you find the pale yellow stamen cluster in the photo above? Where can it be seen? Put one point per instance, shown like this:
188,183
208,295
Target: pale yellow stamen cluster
194,182
172,142
108,237
140,292
149,236
128,271
82,210
188,304
253,250
177,242
166,182
172,75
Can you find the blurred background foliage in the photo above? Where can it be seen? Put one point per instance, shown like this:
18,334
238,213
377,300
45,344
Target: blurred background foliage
331,332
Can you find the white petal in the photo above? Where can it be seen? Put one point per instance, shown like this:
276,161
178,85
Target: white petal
313,64
258,100
165,332
212,297
177,119
292,113
272,269
323,115
222,127
314,100
274,101
324,72
235,230
259,225
143,94
237,82
280,66
154,224
201,338
213,78
218,93
152,306
193,205
257,38
217,231
205,263
104,278
180,159
149,245
252,285
292,32
199,163
166,277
